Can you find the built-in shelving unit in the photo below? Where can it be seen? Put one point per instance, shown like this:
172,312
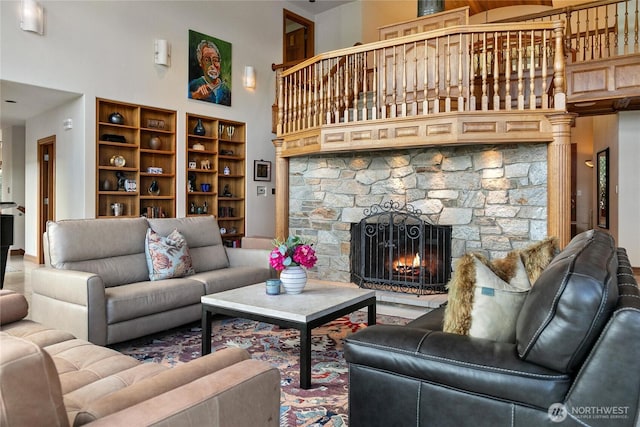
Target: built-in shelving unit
135,160
216,156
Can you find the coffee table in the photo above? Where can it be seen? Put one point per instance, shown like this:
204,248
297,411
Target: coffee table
319,303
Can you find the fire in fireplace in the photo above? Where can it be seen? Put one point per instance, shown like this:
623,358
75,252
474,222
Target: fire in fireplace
395,249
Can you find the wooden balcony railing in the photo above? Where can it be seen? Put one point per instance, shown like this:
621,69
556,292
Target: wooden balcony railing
595,30
489,67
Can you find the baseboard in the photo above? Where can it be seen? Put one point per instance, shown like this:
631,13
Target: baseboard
31,258
13,252
636,271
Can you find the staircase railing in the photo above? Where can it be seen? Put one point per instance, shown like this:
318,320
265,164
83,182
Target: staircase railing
595,30
490,67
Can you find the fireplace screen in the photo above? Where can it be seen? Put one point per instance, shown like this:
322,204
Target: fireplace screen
394,249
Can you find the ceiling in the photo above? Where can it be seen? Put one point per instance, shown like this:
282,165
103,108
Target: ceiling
318,6
29,101
477,6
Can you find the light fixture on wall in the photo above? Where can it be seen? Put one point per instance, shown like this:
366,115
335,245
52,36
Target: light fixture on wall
162,52
589,163
249,78
32,17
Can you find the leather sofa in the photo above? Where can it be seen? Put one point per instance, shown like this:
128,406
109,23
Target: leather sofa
96,281
574,362
50,378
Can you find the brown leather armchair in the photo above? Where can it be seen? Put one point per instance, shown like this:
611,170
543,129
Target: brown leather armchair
574,363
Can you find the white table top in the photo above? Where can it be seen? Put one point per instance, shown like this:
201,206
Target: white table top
316,300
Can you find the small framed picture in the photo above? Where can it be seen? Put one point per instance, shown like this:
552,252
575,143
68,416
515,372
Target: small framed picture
261,170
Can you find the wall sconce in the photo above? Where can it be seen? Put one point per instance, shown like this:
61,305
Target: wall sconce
32,17
249,78
162,52
589,163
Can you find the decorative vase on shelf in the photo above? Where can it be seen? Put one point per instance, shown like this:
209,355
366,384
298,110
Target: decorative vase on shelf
294,279
154,188
199,129
155,142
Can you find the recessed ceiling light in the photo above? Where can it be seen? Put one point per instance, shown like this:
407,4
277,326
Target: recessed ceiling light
10,101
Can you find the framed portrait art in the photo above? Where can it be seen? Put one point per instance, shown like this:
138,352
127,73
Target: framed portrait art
261,170
209,69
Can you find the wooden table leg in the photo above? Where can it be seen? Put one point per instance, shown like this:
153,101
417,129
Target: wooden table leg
371,314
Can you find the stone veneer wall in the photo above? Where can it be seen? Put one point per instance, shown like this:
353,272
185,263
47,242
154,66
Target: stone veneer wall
494,196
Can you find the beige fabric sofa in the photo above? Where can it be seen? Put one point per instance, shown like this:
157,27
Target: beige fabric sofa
49,378
96,283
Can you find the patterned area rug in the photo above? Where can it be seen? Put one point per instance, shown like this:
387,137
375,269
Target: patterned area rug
325,404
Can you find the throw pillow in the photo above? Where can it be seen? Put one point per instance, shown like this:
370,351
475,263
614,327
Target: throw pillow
485,298
167,257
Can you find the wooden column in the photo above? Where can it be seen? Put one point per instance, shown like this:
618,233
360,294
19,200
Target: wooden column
282,191
559,178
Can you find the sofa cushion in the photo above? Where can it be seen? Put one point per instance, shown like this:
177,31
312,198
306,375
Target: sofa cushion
13,306
112,249
145,298
203,237
231,278
36,333
30,392
168,256
569,304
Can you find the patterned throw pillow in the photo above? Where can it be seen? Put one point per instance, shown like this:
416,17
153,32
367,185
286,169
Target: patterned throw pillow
485,297
167,257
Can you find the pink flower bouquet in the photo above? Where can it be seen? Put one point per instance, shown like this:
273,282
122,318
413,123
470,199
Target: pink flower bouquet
293,251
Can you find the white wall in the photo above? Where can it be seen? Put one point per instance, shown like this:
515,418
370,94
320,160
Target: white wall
346,27
13,179
629,184
105,49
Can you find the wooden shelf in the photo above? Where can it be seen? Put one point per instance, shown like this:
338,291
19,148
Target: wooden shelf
215,141
141,123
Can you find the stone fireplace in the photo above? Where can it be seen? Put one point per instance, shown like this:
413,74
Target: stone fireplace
494,197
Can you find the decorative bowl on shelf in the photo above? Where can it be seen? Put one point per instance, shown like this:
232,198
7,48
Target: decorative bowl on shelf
198,146
117,161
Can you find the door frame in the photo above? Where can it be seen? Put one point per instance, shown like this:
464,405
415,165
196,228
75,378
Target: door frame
46,181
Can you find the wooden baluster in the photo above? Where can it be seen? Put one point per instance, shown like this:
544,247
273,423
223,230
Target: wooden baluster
394,75
597,48
383,77
425,89
356,94
447,82
414,104
299,105
532,74
313,78
578,38
626,27
280,124
307,98
544,96
616,30
436,102
326,76
374,98
472,73
635,30
520,81
559,93
485,96
365,95
345,93
460,75
607,46
496,73
589,41
294,113
290,113
336,96
320,84
403,109
507,74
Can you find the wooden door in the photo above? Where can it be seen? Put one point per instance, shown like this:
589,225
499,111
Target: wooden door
46,187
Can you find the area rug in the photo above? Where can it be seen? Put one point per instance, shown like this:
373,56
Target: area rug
325,404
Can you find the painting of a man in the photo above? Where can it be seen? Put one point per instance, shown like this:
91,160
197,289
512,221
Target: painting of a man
209,69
